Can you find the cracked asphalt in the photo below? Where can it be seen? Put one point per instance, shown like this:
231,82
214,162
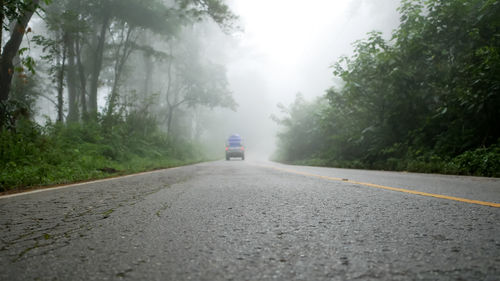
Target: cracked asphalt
242,220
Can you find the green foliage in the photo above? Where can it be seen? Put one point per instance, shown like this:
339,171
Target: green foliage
301,136
215,9
84,40
13,10
481,161
56,153
428,100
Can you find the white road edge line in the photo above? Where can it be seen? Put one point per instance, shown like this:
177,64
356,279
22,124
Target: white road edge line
82,183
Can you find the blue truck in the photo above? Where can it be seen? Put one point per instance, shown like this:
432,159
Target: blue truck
234,147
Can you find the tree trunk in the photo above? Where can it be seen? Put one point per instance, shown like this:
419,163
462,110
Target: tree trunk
148,64
96,70
170,108
170,117
60,88
122,54
83,84
10,51
1,22
113,97
73,112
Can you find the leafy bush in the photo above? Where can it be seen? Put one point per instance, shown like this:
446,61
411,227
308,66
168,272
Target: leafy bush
481,162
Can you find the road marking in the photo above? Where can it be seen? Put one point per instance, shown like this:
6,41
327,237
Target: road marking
459,199
48,188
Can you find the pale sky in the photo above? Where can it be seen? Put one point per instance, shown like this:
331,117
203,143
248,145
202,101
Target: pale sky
294,42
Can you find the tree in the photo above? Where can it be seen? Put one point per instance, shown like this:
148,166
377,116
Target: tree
151,15
300,137
431,92
193,80
132,19
59,49
123,49
19,14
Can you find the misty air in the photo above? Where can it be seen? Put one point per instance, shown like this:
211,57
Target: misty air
249,140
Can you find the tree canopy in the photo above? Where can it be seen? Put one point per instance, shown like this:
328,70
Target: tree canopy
102,65
426,97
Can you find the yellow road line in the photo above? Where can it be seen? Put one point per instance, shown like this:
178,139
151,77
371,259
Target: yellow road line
459,199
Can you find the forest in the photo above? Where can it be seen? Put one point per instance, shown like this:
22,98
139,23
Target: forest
95,88
426,100
99,88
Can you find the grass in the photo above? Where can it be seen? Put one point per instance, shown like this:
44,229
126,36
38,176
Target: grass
34,156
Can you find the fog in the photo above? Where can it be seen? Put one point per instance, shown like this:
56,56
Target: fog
144,84
287,47
274,50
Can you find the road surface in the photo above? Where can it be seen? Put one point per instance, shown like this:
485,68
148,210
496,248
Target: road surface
249,220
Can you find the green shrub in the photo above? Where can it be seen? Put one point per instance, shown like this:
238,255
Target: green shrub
478,162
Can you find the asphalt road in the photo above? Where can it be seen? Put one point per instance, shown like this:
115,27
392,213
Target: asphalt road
248,220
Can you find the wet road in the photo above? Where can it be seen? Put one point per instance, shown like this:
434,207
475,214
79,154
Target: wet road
248,220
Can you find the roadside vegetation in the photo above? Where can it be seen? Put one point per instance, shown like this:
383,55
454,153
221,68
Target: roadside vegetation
427,100
54,154
97,88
